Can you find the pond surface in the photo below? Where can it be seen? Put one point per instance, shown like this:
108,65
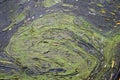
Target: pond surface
59,39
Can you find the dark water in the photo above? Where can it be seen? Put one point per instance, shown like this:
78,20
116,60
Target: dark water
103,14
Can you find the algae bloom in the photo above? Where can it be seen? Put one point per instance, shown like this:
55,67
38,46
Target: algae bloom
49,46
62,46
59,40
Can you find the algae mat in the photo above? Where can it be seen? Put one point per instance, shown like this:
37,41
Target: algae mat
55,41
61,46
49,46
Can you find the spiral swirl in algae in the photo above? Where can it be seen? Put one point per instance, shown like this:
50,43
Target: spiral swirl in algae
60,46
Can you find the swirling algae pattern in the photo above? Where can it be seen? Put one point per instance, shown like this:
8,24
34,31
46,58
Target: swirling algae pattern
62,46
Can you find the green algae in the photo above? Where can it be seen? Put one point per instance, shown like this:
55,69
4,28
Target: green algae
60,41
64,42
52,40
49,3
67,5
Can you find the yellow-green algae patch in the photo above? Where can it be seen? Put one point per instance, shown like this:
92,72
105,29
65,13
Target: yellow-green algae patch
49,46
49,3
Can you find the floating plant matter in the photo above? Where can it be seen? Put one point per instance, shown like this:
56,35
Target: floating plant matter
60,44
61,40
53,45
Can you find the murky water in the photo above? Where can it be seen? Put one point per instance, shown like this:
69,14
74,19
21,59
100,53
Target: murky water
104,15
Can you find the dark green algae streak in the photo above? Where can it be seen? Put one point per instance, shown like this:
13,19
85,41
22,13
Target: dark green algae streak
60,45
